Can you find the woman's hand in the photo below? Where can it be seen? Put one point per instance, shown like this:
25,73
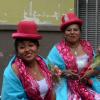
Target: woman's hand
90,73
70,75
86,77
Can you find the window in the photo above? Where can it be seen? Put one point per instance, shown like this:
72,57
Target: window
89,11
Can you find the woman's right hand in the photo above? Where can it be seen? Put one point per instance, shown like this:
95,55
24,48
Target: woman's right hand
69,74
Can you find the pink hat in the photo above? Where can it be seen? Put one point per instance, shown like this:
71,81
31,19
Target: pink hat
27,30
69,19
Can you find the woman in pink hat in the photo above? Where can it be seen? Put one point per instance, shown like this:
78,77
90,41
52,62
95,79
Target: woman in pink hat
27,77
74,56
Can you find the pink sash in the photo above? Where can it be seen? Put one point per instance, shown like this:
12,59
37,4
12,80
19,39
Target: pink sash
30,84
77,88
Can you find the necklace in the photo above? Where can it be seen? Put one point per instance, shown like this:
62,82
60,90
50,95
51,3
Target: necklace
75,50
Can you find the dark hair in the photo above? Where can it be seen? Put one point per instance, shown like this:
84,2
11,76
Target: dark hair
17,41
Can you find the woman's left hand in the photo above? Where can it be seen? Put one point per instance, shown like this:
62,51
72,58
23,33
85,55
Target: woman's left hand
70,74
86,77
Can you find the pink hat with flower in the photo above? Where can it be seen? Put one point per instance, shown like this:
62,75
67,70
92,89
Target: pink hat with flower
27,30
69,19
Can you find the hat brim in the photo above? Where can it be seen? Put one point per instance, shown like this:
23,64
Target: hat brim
64,25
26,36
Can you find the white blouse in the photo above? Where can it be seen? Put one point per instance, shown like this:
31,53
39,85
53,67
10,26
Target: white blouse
43,87
82,61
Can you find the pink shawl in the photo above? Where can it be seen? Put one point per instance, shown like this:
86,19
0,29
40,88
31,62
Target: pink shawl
30,84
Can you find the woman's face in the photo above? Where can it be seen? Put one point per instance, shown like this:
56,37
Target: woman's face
72,33
27,50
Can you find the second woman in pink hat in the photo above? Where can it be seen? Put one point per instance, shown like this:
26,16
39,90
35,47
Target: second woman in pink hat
74,56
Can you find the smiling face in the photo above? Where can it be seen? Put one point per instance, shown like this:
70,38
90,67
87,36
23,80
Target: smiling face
72,33
27,50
